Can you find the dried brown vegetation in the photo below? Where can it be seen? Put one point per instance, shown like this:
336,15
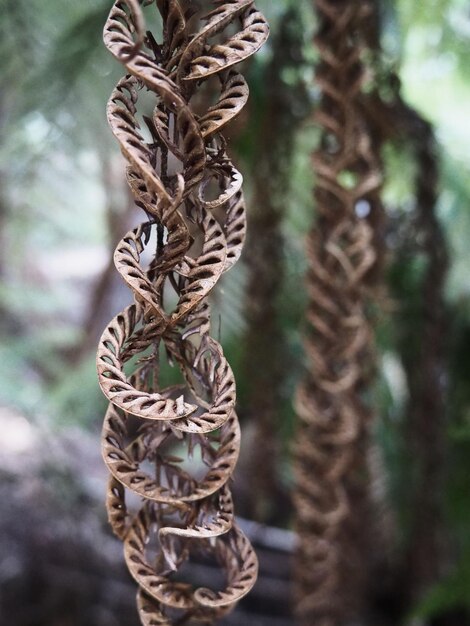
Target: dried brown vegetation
181,176
330,471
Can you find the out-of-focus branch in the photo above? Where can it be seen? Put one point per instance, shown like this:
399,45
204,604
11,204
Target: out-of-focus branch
424,327
119,206
284,107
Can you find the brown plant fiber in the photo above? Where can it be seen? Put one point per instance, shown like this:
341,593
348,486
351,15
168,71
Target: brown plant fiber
333,417
171,262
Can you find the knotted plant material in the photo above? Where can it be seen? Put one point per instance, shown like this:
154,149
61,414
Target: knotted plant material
194,228
333,417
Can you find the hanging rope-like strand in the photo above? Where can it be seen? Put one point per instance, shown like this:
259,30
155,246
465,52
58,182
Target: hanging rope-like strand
171,262
333,418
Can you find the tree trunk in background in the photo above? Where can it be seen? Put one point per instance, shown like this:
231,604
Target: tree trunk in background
427,380
332,438
266,353
119,205
424,325
425,330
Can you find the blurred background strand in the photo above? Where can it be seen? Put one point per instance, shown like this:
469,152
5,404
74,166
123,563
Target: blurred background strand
330,498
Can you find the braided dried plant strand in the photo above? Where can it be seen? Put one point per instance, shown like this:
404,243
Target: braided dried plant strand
171,262
333,418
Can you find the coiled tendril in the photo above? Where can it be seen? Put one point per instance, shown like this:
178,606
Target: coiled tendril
171,262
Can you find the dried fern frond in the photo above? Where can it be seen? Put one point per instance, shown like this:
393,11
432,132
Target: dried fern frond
333,418
191,240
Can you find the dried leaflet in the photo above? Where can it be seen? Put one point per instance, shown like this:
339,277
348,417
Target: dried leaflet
171,262
333,418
